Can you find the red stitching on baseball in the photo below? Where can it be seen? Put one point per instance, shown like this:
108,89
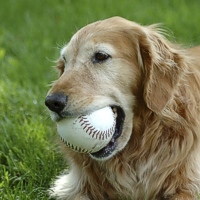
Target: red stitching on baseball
98,134
89,130
80,120
85,126
93,135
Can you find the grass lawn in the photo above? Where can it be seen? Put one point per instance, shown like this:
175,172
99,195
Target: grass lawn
31,35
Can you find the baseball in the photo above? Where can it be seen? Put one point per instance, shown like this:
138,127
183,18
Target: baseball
88,133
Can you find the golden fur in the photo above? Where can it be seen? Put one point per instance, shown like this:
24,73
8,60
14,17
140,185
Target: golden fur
157,84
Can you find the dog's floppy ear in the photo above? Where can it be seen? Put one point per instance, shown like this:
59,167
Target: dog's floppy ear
163,67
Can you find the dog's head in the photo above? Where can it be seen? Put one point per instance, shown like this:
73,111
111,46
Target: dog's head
116,63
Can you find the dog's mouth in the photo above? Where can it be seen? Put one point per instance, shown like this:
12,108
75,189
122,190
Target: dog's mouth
111,146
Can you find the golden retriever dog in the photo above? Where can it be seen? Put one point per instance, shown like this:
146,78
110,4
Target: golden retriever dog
153,86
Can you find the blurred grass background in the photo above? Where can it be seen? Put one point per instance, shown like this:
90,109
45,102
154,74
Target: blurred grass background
31,35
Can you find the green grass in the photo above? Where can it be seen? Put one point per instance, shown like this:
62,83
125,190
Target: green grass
31,34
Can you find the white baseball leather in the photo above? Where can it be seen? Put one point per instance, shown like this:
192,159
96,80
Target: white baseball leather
88,133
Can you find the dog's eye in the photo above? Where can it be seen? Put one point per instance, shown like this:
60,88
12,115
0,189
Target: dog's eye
100,57
64,58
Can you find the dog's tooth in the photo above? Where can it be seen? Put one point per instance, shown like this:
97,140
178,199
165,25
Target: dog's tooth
115,112
114,109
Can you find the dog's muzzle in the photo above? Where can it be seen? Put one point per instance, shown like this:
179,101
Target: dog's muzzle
56,102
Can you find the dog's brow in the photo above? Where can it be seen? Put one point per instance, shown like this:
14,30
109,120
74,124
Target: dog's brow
105,47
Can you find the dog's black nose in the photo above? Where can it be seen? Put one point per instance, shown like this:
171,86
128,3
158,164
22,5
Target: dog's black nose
56,102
